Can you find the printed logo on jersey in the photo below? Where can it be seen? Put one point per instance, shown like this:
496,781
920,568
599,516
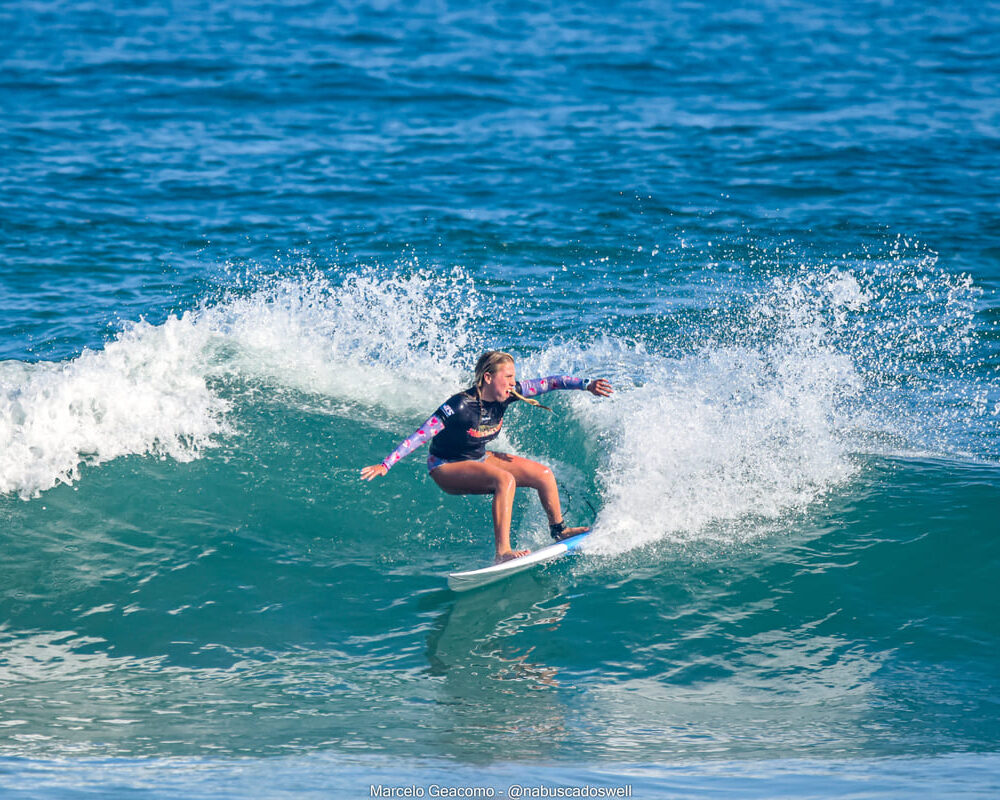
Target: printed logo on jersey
483,431
448,410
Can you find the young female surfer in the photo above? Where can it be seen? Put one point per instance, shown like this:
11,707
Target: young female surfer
459,430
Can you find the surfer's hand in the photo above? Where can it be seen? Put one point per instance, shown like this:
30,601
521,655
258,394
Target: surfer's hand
373,471
600,388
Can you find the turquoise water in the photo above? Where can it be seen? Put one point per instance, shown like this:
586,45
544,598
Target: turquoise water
245,248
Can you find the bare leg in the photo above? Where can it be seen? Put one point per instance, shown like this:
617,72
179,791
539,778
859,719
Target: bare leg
538,477
479,477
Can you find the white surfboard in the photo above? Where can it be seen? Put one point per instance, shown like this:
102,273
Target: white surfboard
464,581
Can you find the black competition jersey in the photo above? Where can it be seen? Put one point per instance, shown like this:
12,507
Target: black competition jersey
460,429
469,423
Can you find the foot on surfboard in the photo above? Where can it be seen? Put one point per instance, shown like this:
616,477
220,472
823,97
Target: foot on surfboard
559,531
510,554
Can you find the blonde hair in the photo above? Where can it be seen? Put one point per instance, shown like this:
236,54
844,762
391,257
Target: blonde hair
488,364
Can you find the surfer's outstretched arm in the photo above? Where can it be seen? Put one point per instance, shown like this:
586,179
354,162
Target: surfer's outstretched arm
599,387
431,428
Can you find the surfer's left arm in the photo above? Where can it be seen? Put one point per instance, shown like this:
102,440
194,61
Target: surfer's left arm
599,387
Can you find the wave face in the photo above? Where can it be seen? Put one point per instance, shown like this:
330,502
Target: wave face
246,248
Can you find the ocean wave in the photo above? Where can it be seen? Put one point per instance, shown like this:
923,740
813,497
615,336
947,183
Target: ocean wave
785,386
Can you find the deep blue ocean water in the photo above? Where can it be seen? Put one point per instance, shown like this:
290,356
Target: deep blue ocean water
247,247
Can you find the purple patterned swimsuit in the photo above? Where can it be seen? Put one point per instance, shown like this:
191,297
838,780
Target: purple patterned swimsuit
460,429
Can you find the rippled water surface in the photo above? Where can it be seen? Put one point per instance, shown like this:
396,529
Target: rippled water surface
246,248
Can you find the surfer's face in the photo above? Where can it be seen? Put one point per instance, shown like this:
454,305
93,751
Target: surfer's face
501,382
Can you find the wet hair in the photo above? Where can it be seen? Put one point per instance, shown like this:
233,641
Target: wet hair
488,363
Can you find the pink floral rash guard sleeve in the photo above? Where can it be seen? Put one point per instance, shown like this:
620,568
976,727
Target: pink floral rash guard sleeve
533,386
435,424
431,428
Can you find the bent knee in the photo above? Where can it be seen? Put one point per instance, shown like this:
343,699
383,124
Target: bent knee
543,477
504,482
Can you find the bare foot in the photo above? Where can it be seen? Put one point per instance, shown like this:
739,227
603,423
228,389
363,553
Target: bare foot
510,554
567,532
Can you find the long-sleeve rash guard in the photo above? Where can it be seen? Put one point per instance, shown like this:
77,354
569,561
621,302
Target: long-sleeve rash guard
460,429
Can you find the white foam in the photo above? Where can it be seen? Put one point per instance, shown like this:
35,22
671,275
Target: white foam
717,435
790,385
145,393
389,342
750,425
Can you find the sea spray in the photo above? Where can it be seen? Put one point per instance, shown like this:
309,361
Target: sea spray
387,342
793,384
717,435
145,393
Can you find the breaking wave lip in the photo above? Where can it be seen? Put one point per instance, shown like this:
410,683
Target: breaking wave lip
381,341
385,341
144,393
